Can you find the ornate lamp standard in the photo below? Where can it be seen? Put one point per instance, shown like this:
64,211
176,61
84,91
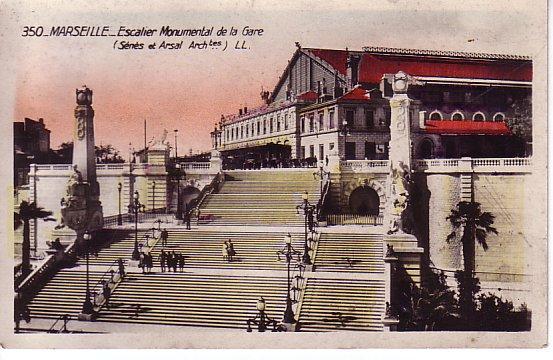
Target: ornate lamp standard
264,319
154,196
179,207
135,207
308,211
288,251
176,144
88,307
119,216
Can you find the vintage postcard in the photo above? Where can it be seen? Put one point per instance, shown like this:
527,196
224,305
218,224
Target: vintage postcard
274,174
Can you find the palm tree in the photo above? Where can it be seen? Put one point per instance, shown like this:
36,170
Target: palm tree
475,226
27,212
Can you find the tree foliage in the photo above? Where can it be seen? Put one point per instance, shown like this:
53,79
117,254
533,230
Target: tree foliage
28,212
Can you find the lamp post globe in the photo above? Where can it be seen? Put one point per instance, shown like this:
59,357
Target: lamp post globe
88,307
135,208
119,216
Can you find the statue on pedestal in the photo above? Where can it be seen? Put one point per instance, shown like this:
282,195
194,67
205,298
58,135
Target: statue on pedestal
81,209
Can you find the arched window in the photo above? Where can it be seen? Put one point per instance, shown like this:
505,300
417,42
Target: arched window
499,117
457,116
436,115
478,116
426,149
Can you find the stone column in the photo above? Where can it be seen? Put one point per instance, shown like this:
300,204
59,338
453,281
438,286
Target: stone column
399,177
81,208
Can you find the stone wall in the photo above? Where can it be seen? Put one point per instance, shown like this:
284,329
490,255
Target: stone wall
47,185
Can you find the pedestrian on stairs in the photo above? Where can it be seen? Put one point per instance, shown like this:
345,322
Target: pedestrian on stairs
181,262
187,219
149,262
169,261
225,251
175,261
164,235
162,258
121,267
106,291
231,251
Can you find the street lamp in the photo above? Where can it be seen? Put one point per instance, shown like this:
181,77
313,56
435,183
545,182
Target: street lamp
264,319
308,213
321,174
88,307
179,208
288,252
154,196
135,207
119,217
176,144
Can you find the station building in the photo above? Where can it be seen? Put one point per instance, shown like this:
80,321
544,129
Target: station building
338,101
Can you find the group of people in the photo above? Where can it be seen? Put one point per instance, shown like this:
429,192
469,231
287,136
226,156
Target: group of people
171,260
146,262
228,251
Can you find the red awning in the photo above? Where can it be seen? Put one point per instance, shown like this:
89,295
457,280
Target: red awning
308,96
454,127
356,94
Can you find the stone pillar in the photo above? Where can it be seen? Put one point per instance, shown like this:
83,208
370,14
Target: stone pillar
81,208
216,164
399,177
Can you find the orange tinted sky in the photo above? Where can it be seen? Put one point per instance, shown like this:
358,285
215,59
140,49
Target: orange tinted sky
189,90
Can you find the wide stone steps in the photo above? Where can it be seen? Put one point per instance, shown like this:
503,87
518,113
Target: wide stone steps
248,216
203,249
277,175
221,301
342,304
350,253
64,294
254,250
119,246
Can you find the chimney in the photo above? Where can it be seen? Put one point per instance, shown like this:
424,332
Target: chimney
353,70
41,120
240,112
245,110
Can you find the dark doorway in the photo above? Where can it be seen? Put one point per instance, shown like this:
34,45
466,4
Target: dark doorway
364,201
350,151
427,149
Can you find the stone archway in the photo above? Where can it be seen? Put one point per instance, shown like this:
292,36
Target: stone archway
188,194
370,183
364,201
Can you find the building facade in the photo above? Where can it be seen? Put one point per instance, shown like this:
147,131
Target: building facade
338,100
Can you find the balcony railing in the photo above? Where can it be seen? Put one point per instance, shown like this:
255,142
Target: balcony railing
477,165
366,165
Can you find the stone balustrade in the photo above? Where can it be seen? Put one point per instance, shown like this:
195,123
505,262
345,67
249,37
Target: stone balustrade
381,166
482,165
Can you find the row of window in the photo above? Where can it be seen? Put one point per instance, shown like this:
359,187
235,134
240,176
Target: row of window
257,128
309,125
459,116
372,150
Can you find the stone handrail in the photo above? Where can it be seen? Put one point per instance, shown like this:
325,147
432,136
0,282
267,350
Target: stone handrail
366,165
196,166
208,189
475,164
323,197
43,270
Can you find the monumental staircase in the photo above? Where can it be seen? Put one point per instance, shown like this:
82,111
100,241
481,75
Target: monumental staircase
261,198
343,290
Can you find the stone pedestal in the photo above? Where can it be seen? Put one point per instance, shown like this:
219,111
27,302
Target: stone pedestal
216,163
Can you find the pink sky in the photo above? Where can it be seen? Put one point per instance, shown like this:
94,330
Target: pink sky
189,90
